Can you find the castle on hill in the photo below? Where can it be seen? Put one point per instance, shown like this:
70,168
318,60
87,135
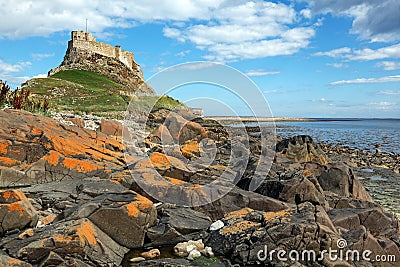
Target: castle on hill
86,41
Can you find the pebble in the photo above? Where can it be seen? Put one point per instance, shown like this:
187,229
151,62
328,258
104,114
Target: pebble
137,259
194,254
217,225
151,254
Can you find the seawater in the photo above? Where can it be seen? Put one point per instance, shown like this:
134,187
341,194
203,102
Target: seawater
355,133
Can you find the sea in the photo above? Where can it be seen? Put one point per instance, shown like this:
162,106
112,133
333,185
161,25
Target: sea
364,134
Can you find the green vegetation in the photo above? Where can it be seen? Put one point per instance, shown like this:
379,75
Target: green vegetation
88,92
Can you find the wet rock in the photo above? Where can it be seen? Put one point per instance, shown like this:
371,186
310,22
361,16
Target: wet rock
16,211
185,263
151,254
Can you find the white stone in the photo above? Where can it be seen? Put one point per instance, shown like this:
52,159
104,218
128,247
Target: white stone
137,259
217,225
194,254
207,251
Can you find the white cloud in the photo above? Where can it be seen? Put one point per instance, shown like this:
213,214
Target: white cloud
255,73
383,105
389,92
335,53
365,54
39,56
42,75
373,20
205,23
338,65
389,65
386,79
12,68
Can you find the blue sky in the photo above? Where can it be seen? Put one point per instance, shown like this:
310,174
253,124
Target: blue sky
309,58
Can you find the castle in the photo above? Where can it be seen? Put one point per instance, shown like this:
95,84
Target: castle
86,41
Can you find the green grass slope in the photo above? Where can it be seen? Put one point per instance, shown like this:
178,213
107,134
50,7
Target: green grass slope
84,91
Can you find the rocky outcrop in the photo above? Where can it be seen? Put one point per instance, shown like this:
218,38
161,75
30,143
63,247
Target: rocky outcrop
35,149
87,59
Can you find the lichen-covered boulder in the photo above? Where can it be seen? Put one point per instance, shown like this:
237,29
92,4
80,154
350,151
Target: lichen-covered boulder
16,212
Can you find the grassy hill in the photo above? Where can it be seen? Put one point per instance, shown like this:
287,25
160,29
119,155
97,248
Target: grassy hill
89,92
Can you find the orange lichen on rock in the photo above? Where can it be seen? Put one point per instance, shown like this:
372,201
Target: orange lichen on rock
3,148
52,158
81,166
307,173
85,231
282,215
16,207
8,162
238,214
14,194
175,181
140,204
160,160
239,227
36,131
190,149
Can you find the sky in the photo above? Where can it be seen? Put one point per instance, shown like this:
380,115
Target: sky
308,58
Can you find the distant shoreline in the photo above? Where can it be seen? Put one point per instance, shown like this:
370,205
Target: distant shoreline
284,119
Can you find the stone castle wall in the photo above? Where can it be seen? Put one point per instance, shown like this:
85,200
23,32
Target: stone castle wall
86,41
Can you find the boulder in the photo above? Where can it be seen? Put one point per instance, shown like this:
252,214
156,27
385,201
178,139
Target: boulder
301,149
247,231
135,214
111,127
16,212
340,179
177,225
7,261
71,240
40,150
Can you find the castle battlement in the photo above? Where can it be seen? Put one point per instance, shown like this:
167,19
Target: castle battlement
86,41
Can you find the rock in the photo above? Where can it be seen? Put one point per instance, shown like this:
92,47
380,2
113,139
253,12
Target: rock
193,254
177,225
137,259
247,231
294,191
72,239
151,254
111,127
53,259
301,149
183,249
339,179
237,199
16,211
207,251
47,220
134,212
183,130
7,261
217,225
43,150
26,233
